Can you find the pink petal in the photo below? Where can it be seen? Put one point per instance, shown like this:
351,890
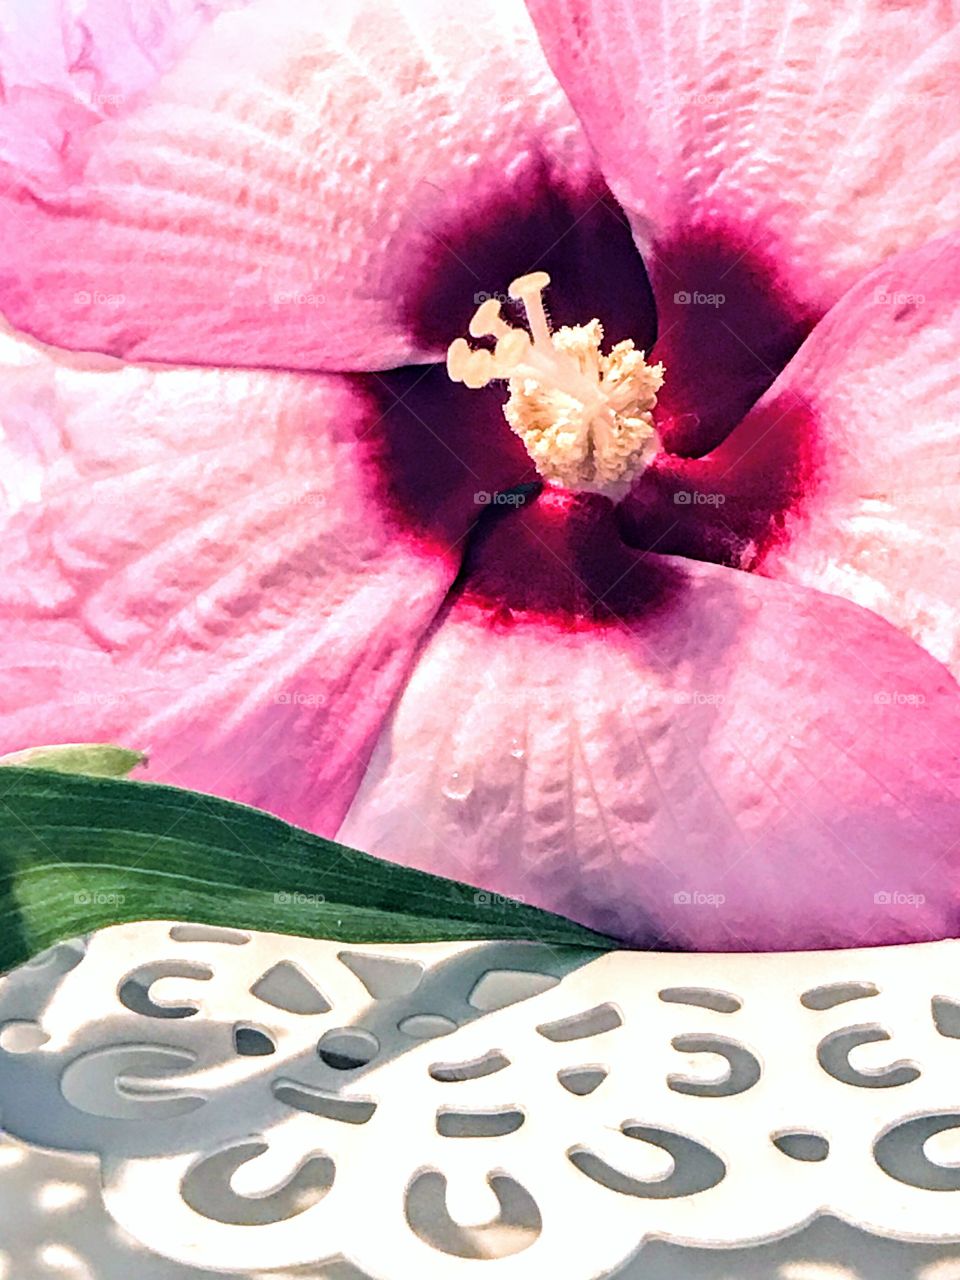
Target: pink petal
307,188
768,154
68,66
221,567
673,752
846,476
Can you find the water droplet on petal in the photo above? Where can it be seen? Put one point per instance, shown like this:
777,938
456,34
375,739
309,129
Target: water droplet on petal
458,785
516,750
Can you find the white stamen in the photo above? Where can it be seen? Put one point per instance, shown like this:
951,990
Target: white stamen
479,369
458,356
512,349
487,321
584,417
528,290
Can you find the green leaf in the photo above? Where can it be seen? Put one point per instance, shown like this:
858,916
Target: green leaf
98,758
78,853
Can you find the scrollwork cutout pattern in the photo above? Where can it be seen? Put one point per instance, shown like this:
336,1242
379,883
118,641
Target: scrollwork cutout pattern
261,1102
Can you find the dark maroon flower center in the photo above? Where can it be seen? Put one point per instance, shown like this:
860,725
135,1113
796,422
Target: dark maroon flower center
727,326
582,240
556,557
733,506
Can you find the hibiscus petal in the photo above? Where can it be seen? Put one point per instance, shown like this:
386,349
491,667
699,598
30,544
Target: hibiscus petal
68,66
672,752
846,476
287,193
768,154
216,566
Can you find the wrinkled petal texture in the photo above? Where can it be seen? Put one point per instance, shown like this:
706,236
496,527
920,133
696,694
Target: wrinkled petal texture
676,753
285,192
769,155
846,476
69,64
216,566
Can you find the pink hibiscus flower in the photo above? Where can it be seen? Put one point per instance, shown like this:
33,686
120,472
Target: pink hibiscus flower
716,712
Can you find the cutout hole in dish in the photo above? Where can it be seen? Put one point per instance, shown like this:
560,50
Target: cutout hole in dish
836,993
580,1026
693,1167
322,1102
742,1067
385,977
582,1080
516,1227
702,998
500,988
134,991
426,1026
253,1042
131,1082
903,1153
285,986
22,1037
479,1124
946,1016
208,933
347,1048
453,1072
833,1054
802,1145
207,1188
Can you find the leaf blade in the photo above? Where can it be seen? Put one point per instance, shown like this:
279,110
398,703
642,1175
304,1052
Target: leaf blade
101,759
80,852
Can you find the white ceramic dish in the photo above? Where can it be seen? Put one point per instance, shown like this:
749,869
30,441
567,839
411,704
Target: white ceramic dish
183,1102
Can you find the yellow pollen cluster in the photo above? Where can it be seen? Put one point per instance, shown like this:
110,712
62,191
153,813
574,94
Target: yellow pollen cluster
584,417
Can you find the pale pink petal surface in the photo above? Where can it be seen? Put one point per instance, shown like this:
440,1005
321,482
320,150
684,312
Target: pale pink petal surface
309,186
674,752
846,475
768,154
224,568
67,65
